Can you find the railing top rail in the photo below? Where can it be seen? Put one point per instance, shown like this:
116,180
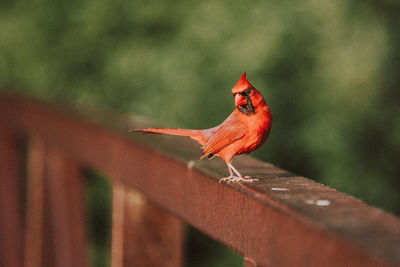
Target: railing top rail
284,219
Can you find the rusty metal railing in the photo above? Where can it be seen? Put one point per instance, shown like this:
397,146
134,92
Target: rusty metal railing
283,220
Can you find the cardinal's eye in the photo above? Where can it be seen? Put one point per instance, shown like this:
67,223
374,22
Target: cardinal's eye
246,92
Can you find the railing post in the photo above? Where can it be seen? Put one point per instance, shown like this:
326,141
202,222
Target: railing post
143,234
11,227
67,210
34,203
118,212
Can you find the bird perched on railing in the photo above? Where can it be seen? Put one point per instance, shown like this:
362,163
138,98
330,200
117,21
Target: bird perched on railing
245,130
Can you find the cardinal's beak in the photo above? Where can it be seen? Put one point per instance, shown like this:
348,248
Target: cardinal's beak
240,100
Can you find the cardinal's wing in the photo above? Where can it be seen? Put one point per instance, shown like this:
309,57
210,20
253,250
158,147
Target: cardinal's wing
229,131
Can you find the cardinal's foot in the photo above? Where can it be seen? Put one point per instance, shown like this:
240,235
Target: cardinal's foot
236,179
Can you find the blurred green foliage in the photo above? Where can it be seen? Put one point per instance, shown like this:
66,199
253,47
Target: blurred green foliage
200,251
328,69
98,204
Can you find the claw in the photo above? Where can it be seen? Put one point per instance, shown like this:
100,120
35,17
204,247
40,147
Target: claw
236,179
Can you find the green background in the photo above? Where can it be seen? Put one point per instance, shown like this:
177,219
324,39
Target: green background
328,69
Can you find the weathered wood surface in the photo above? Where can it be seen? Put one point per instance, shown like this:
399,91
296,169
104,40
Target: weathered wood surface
283,220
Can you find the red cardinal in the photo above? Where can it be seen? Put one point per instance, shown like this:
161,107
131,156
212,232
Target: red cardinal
245,130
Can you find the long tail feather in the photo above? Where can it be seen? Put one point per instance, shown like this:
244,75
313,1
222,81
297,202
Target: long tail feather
194,134
180,132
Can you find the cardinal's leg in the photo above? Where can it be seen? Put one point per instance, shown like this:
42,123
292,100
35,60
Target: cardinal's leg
233,179
245,178
229,178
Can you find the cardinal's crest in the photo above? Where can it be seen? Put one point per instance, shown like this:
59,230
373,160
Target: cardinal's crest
242,84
